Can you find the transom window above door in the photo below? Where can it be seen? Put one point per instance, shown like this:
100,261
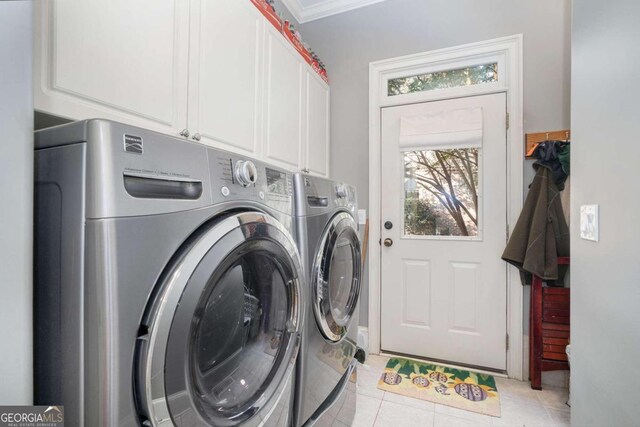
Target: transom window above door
467,76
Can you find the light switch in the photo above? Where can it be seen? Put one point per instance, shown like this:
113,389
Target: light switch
589,229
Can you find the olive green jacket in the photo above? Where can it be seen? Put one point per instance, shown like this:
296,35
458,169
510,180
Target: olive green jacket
541,234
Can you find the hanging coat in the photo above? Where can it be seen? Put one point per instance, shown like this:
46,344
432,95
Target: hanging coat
541,234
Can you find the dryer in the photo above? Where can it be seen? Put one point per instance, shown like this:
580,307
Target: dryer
168,285
329,245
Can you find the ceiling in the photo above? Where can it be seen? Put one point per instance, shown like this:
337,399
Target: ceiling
310,10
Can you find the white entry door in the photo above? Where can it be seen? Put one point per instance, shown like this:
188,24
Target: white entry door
444,216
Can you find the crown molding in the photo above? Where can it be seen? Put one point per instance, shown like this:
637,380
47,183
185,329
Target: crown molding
321,10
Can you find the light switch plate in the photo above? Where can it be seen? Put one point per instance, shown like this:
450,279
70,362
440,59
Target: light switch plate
362,216
589,224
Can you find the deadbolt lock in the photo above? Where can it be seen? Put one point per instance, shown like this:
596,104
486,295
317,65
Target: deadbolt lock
388,225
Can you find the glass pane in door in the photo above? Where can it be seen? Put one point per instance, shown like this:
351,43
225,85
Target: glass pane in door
441,192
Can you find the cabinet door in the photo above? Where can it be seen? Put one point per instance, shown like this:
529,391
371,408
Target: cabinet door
283,107
118,59
317,125
225,74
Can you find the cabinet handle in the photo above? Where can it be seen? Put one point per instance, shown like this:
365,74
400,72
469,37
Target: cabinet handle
196,137
305,170
185,133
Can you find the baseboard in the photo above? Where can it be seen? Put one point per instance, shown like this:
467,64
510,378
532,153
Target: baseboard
525,357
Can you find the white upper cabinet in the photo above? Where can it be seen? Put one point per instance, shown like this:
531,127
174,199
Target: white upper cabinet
225,76
317,125
214,71
283,107
115,59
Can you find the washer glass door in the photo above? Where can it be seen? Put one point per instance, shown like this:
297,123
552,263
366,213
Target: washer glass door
228,316
336,277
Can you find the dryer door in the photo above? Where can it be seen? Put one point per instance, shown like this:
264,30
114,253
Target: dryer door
221,334
336,277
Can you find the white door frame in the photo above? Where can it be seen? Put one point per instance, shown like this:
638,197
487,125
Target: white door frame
507,52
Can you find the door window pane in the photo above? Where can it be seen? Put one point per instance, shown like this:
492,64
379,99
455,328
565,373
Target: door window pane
477,74
441,192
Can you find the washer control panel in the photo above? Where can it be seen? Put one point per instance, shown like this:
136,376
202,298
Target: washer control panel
236,178
278,182
341,191
246,172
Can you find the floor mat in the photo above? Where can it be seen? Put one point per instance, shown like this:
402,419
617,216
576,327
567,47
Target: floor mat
458,388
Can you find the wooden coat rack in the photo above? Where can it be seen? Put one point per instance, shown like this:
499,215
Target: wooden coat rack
533,139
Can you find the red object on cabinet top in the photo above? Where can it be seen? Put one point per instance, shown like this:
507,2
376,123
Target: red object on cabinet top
268,12
283,27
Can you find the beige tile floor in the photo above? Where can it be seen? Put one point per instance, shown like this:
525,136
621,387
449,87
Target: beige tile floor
520,405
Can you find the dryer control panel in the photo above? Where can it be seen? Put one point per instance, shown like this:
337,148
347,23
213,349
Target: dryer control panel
234,177
316,195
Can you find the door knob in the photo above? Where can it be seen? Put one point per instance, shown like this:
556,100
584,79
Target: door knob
196,137
388,242
185,133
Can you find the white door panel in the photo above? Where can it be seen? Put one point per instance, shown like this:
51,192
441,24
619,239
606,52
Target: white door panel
100,59
317,152
283,110
226,75
443,283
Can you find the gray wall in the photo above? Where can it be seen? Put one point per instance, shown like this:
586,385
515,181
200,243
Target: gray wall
43,120
16,194
348,42
605,291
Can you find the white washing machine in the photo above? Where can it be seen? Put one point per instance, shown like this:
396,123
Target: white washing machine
168,282
329,245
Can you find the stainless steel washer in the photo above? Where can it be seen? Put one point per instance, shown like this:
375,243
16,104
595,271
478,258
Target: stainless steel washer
330,248
168,282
